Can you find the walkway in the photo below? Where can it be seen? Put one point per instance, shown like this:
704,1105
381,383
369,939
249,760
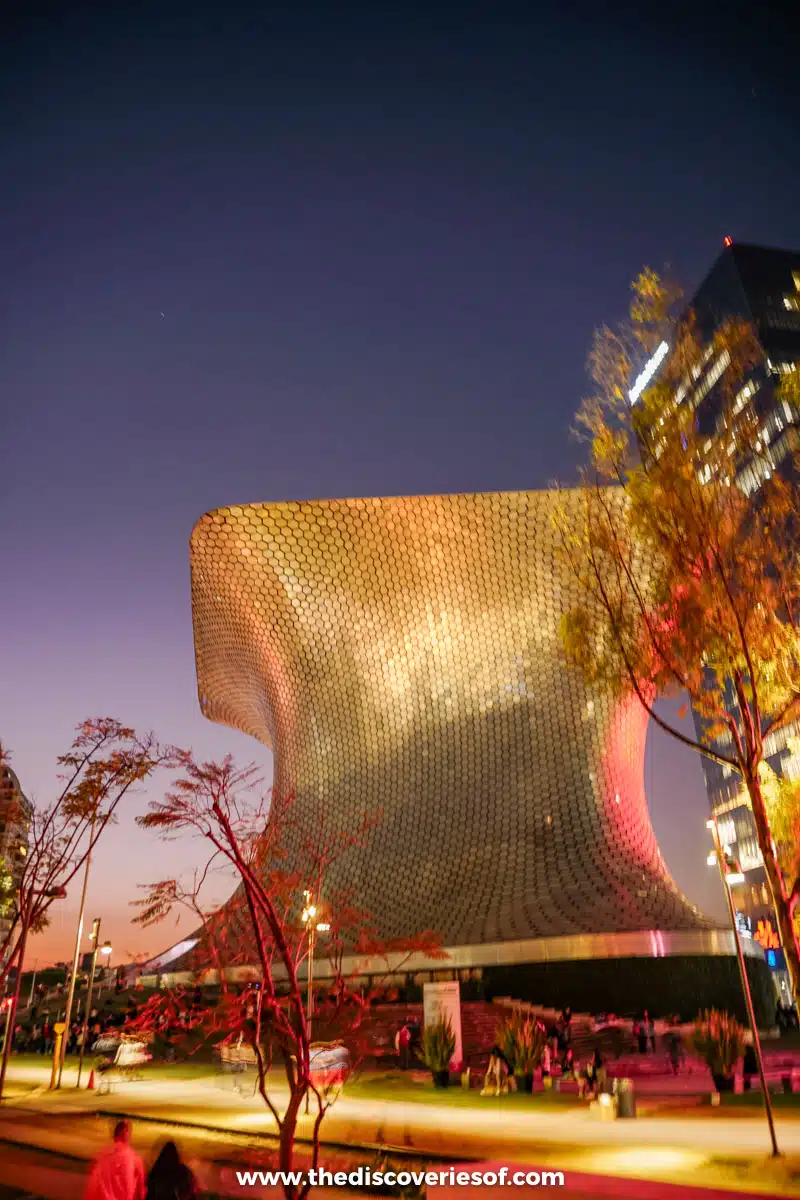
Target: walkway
677,1148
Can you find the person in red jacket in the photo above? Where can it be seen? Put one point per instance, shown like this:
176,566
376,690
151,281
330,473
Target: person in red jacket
118,1172
404,1047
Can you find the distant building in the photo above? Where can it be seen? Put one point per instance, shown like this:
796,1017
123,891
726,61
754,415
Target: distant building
15,821
761,286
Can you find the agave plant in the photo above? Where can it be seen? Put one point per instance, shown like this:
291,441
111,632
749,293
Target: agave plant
522,1040
438,1046
719,1039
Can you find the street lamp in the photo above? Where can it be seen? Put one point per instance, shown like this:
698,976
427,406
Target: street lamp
732,874
56,893
5,1006
33,984
309,918
77,953
105,949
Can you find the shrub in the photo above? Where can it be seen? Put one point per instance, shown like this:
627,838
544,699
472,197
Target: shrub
718,1039
438,1046
522,1040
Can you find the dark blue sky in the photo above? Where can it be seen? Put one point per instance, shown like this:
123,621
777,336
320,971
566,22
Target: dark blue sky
257,252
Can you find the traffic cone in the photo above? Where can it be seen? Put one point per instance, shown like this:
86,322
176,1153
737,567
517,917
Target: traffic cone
90,1084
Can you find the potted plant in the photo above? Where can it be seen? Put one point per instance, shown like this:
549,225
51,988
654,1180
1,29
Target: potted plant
719,1039
437,1049
522,1040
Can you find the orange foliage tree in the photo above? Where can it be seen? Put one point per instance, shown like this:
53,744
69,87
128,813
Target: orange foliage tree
686,560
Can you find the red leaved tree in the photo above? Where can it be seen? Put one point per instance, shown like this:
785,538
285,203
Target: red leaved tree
271,924
104,763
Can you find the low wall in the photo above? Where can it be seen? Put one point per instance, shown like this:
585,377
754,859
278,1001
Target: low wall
671,986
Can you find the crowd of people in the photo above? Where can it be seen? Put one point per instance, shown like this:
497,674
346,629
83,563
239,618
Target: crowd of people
557,1052
558,1058
36,1034
39,1037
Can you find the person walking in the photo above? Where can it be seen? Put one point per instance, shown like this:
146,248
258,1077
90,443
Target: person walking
170,1178
595,1075
404,1047
497,1073
564,1031
675,1050
641,1031
118,1172
749,1066
650,1032
547,1064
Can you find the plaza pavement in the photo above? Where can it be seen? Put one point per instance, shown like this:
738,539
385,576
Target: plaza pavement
666,1148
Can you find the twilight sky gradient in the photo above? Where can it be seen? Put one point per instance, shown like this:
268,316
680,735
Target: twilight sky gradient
264,252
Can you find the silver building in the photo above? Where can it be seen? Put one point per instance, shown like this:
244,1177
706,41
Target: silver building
404,655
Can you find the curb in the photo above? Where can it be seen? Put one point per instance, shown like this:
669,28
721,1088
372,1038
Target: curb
377,1147
193,1126
7,1141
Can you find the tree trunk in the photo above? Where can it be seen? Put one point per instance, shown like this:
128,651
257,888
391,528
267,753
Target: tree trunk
780,896
288,1130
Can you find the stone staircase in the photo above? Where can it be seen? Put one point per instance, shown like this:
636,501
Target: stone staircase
378,1029
479,1024
480,1021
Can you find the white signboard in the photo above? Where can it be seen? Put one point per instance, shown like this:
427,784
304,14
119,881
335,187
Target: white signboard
647,373
442,1002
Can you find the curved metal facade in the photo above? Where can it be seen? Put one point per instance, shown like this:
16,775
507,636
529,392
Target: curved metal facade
404,654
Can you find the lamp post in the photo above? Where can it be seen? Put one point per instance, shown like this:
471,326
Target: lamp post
731,873
77,953
57,893
104,949
309,919
7,1006
314,927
